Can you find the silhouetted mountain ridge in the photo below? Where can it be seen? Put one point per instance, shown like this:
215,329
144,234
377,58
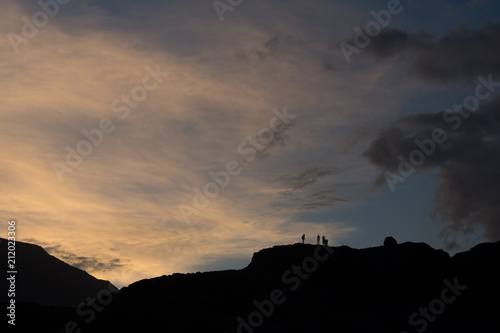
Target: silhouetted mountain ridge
46,280
354,290
313,288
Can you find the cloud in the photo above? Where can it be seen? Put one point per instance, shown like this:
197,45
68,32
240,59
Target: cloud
461,55
279,46
468,164
306,177
122,201
314,187
89,264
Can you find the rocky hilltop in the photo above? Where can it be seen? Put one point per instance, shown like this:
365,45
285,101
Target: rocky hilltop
408,287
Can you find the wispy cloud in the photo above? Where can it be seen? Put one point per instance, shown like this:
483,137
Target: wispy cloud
117,213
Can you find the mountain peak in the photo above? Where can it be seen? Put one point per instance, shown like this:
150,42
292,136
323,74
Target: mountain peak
47,280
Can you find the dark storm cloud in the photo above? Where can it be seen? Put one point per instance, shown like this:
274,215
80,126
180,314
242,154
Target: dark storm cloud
399,139
468,161
461,55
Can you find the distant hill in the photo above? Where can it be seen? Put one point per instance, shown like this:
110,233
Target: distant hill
407,287
48,281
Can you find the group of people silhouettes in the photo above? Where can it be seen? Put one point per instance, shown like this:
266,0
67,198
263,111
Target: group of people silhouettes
323,239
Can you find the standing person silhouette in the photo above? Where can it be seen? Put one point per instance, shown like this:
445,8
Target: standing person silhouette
317,242
303,238
324,240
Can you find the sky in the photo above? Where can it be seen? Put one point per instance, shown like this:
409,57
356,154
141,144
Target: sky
144,138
